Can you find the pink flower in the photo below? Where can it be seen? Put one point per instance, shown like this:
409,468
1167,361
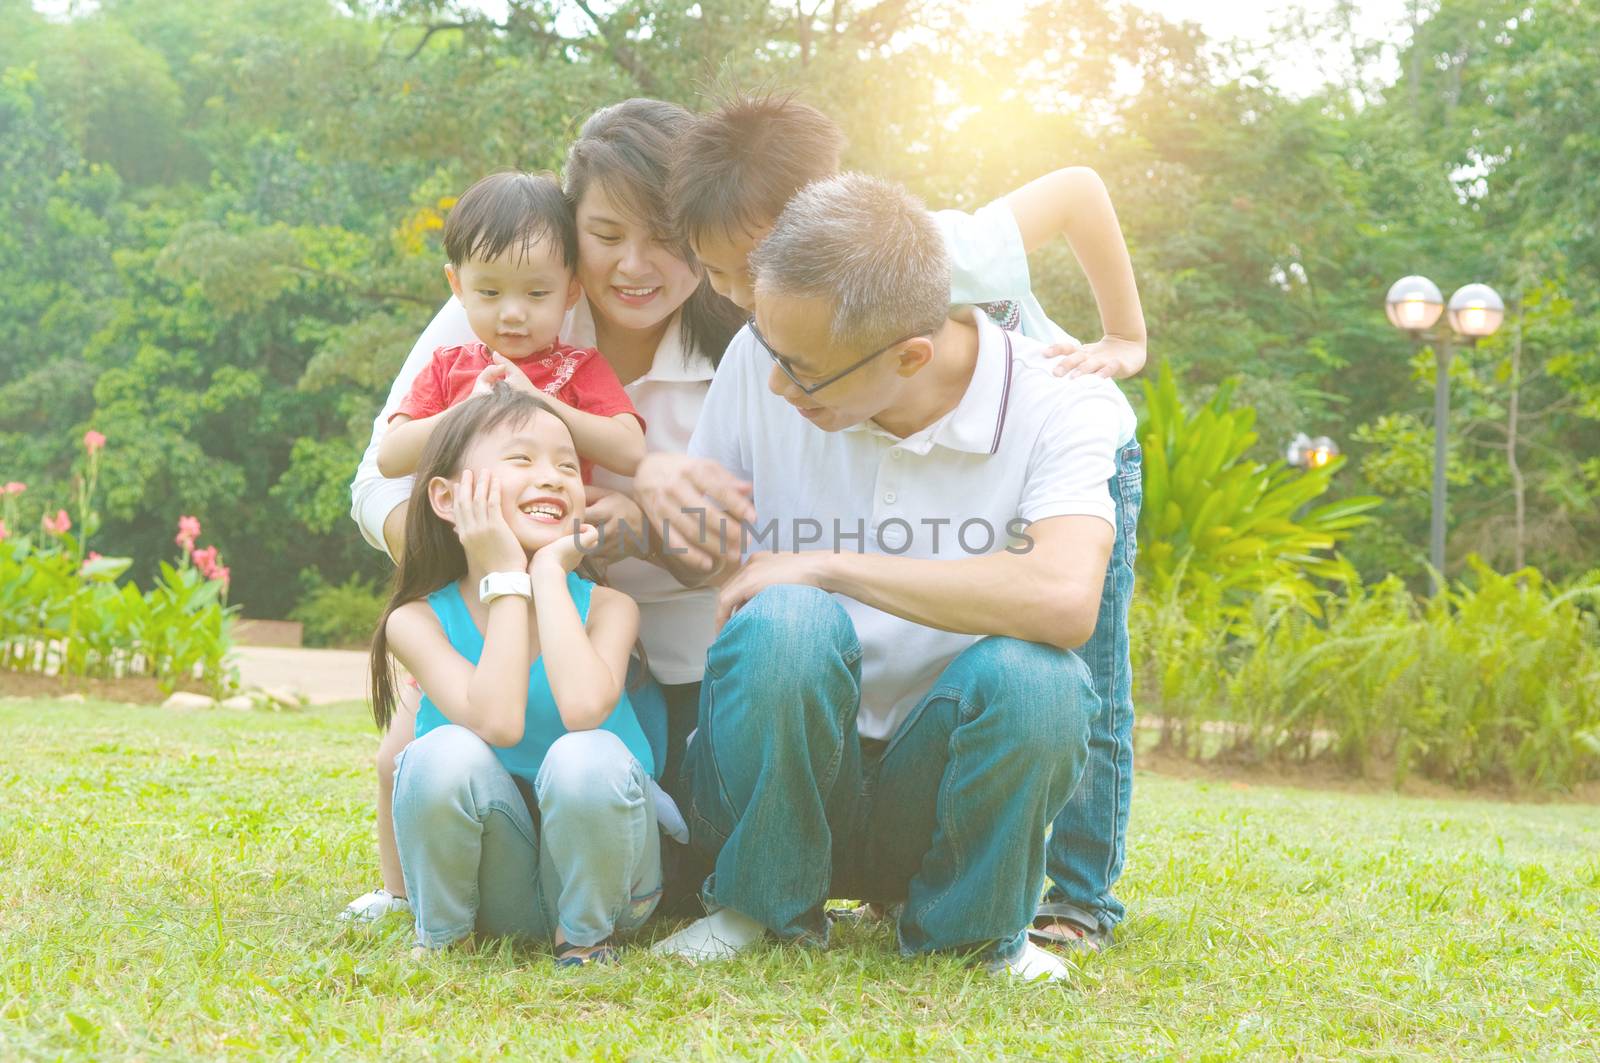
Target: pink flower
14,488
206,561
3,531
59,524
221,573
188,532
94,555
93,441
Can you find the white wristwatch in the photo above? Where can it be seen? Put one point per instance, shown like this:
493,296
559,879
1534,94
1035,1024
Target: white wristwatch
500,584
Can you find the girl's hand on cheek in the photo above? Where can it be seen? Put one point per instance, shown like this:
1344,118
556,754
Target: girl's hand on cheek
489,542
567,552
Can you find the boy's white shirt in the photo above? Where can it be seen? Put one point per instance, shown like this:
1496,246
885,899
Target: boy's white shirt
988,264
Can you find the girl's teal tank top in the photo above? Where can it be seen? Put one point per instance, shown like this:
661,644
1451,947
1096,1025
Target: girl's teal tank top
543,724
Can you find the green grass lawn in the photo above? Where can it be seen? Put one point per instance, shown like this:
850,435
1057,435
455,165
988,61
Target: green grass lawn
168,883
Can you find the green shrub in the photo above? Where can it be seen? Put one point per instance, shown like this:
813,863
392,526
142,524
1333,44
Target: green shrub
339,614
1497,681
63,613
1219,527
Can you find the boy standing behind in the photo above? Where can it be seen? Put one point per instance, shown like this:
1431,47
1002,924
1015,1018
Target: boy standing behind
513,250
741,164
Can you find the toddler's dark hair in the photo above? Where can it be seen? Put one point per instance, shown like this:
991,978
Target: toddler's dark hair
510,210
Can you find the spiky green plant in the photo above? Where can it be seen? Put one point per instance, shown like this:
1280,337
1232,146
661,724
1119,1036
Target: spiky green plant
1218,524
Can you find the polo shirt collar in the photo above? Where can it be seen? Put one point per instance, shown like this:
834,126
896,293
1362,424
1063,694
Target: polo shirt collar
669,363
978,420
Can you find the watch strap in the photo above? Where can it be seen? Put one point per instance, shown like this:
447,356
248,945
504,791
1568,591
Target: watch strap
500,584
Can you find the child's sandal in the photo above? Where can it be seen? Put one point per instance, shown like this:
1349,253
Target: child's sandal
570,955
1068,927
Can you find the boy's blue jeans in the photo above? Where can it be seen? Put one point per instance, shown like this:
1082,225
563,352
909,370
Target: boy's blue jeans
1088,839
948,815
474,858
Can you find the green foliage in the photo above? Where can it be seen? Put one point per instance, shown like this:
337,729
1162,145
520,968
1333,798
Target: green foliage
1497,681
63,613
339,615
222,229
1219,528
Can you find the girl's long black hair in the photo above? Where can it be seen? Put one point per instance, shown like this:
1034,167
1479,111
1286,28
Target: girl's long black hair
628,148
432,555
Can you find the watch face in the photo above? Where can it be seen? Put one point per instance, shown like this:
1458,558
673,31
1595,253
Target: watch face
499,584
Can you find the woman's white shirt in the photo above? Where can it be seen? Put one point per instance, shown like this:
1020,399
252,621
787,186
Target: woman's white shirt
676,624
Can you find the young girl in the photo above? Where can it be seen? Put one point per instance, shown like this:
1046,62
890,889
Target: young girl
525,804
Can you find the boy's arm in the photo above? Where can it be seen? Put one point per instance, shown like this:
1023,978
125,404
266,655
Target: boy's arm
615,443
377,504
612,438
1074,203
402,445
400,450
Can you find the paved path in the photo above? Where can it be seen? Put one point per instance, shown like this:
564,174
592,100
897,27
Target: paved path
322,675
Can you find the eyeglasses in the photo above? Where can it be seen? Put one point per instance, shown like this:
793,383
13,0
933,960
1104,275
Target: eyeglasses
812,389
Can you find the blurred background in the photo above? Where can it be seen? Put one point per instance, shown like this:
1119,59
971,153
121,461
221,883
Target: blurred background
222,219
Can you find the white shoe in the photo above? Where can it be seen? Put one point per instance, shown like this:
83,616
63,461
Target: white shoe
1032,964
370,907
721,935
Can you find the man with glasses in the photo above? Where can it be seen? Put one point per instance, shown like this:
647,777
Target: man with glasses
909,518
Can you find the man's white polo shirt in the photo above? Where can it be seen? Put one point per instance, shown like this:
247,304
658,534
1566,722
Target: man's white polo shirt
1022,445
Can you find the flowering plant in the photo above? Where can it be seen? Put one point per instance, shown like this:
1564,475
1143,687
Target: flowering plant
62,611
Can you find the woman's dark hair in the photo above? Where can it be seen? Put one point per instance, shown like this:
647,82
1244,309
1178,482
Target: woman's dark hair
432,555
628,149
506,209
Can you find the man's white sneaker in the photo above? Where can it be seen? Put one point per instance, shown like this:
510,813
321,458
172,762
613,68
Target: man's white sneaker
1032,964
718,936
370,907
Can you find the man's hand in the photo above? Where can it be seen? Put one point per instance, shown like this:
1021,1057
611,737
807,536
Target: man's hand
697,505
566,553
620,523
1112,357
765,570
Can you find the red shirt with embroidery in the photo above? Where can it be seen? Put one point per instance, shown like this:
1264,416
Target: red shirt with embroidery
578,376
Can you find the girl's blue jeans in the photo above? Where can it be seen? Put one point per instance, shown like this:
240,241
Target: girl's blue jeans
1089,836
948,815
481,852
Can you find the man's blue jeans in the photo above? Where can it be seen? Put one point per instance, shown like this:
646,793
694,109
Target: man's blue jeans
1088,838
948,815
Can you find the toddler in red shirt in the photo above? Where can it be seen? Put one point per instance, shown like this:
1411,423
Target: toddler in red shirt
513,250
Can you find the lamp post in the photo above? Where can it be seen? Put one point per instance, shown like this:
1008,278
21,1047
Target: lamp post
1414,304
1307,453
